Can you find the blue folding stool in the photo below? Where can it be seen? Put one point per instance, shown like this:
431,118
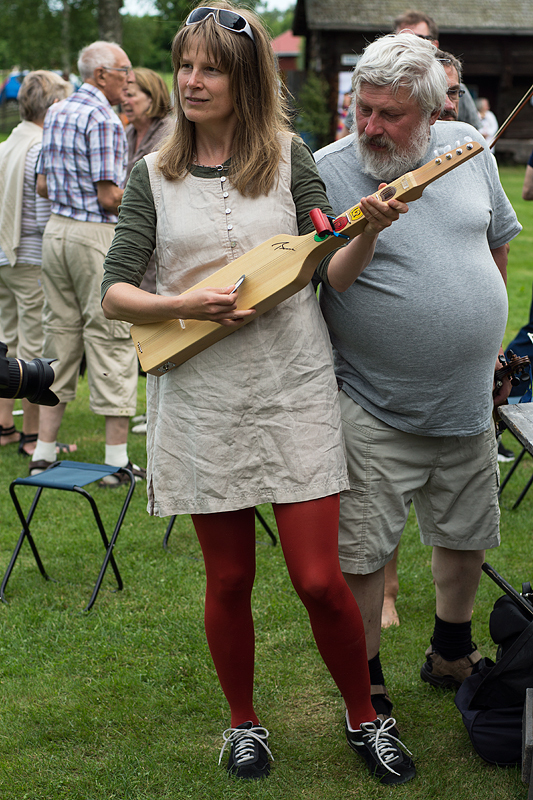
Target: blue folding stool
69,476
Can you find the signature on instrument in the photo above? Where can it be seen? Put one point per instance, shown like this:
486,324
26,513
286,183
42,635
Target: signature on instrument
282,246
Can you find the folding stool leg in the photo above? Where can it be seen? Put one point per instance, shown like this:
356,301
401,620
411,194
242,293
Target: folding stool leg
168,530
523,493
266,527
25,534
99,523
510,473
109,544
259,516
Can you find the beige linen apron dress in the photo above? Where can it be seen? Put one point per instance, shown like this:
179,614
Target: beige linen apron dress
254,418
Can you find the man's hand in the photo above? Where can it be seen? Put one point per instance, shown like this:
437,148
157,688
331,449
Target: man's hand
381,215
501,393
109,196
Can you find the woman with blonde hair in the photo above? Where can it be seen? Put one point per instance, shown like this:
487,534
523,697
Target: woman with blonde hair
147,108
255,417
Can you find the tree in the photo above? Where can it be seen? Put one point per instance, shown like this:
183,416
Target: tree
34,33
109,20
276,21
48,34
314,120
146,43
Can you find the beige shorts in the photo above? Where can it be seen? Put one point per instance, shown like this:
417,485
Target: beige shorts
452,481
73,320
21,309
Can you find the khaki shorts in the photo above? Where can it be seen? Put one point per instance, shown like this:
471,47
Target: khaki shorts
73,320
21,309
452,481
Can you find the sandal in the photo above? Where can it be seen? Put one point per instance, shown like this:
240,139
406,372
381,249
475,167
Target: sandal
29,438
9,432
65,448
122,479
26,438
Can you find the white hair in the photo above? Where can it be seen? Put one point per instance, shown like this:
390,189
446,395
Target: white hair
404,60
97,54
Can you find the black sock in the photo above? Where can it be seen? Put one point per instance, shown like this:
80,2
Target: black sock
452,640
376,672
381,702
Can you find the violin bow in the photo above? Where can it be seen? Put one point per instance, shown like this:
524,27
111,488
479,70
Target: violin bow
511,116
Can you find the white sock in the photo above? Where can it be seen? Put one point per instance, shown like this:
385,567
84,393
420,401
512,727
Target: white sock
353,730
116,455
44,451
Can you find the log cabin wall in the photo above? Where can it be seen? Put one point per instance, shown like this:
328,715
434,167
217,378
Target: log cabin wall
496,50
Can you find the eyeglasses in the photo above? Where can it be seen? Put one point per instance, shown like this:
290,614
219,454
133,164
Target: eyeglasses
119,69
226,19
419,35
454,93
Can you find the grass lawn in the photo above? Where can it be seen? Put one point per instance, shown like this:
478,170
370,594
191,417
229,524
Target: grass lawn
124,703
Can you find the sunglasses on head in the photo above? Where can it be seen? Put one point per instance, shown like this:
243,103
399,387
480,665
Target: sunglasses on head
223,17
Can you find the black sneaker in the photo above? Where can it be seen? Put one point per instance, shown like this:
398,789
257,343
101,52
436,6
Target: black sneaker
504,454
376,744
249,751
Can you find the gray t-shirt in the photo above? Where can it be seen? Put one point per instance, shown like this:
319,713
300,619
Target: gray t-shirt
417,335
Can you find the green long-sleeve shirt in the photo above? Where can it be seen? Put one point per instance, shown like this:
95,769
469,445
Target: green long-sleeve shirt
135,234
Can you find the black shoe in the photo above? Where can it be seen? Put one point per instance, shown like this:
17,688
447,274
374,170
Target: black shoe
386,761
504,454
249,751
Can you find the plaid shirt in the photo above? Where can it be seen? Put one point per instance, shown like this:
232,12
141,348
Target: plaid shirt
83,142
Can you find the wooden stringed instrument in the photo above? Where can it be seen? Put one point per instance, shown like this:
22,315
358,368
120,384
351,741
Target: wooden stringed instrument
517,368
277,269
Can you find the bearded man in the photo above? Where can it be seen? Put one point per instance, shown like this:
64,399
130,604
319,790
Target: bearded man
416,338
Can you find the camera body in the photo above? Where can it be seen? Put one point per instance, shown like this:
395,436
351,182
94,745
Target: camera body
27,379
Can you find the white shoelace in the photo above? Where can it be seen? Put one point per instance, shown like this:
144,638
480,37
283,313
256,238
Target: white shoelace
384,749
242,741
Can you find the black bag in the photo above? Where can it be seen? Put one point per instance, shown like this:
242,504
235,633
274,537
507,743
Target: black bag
491,700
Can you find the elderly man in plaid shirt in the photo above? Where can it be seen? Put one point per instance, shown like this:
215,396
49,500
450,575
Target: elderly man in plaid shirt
82,171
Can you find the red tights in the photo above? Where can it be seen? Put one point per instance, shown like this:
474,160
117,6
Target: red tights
308,536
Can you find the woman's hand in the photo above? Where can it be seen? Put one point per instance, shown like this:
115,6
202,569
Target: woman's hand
381,215
216,305
128,303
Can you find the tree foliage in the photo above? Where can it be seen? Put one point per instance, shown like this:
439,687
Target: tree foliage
47,34
313,121
276,22
32,32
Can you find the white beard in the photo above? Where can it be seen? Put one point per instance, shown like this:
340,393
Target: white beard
392,163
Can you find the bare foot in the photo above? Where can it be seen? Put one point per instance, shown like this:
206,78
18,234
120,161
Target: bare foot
29,448
66,448
389,615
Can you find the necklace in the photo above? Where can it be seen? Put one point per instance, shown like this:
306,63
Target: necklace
219,167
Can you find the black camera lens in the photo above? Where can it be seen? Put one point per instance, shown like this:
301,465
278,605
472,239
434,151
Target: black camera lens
28,379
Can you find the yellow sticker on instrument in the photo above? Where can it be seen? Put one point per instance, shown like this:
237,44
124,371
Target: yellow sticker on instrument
354,214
